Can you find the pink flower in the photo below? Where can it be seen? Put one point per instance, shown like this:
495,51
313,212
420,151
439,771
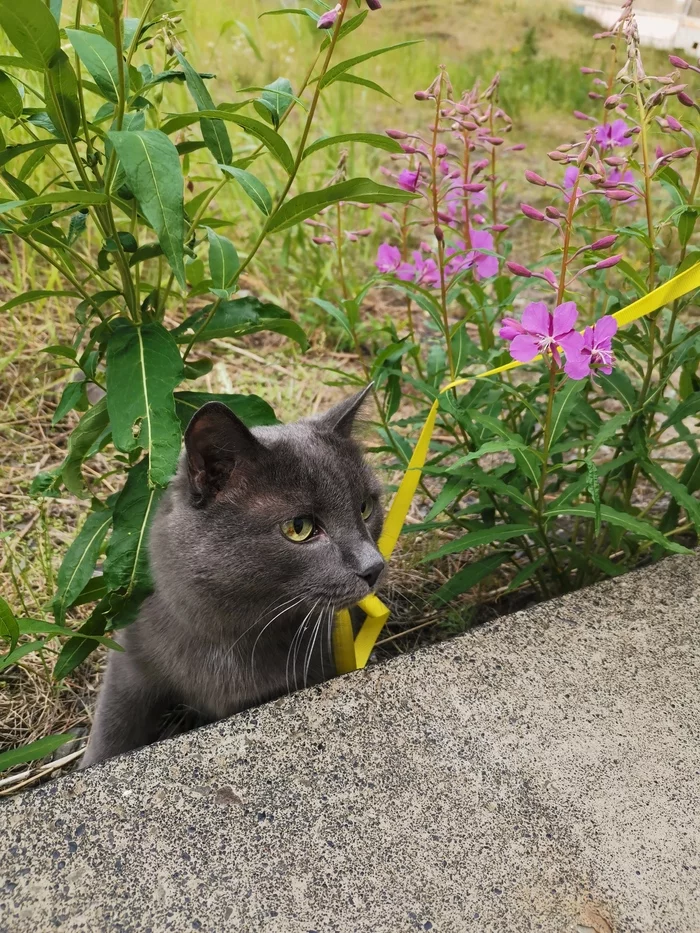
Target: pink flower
426,270
327,19
570,176
409,180
485,267
388,258
612,134
540,331
591,350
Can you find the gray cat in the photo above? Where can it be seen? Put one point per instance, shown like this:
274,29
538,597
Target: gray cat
262,536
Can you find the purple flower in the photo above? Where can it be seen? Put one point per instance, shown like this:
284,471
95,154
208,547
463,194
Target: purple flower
388,258
485,267
612,134
426,270
409,180
591,350
570,176
327,19
540,331
454,201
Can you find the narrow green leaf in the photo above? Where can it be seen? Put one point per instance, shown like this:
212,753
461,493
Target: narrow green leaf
564,402
686,409
10,98
8,624
276,100
77,648
272,140
152,167
249,39
223,259
480,537
143,368
73,395
364,82
126,563
334,73
593,487
36,294
680,493
42,747
89,429
32,30
468,577
79,562
490,447
251,409
609,430
229,319
214,132
618,384
21,651
336,313
285,327
621,520
528,571
56,197
11,152
376,140
61,94
99,56
363,190
253,187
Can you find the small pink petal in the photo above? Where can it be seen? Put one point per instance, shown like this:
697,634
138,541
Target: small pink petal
537,319
524,348
564,317
577,368
605,328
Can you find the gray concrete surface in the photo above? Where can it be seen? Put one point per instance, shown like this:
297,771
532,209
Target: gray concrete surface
539,774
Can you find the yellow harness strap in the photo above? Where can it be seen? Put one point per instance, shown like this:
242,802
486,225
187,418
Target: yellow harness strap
350,653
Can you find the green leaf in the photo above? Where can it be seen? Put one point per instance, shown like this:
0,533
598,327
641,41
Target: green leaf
61,94
152,167
634,277
251,409
89,429
253,187
490,447
8,624
20,652
286,327
593,487
272,140
223,260
364,82
143,369
10,99
99,56
676,488
249,38
126,563
32,30
334,73
214,132
291,12
564,402
687,408
35,295
42,747
686,225
11,152
276,100
72,396
229,320
621,520
376,140
363,190
481,537
336,313
609,430
468,577
618,384
79,562
56,197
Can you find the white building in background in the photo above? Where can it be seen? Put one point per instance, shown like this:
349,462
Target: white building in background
665,24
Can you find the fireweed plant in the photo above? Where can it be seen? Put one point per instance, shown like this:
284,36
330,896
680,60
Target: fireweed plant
87,99
585,461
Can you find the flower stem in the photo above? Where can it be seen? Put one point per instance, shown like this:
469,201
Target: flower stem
339,247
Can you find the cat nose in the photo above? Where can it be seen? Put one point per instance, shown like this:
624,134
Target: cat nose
372,572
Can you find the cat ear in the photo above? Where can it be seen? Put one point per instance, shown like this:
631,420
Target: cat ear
341,418
216,442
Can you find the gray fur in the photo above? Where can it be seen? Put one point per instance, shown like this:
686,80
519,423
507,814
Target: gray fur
223,630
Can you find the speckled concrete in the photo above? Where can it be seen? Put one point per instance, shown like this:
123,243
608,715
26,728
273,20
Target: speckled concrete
540,774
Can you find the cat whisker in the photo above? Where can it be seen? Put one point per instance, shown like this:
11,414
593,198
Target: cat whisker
312,643
295,643
265,628
284,603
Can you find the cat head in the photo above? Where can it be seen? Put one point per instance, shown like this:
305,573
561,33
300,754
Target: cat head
287,511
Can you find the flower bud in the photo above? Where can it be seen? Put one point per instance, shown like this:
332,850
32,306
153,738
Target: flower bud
607,262
617,194
594,96
678,62
531,212
385,215
396,134
493,140
440,150
501,228
590,71
685,99
553,212
673,124
479,166
374,4
517,269
421,95
473,187
322,240
557,156
680,153
439,235
604,242
518,147
582,116
327,19
550,277
614,160
535,179
612,101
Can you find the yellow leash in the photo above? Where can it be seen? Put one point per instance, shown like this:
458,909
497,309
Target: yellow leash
352,653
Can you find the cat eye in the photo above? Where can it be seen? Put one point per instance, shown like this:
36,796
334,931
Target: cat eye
300,528
366,508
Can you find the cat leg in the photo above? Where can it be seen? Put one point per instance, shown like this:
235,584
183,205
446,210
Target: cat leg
129,712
